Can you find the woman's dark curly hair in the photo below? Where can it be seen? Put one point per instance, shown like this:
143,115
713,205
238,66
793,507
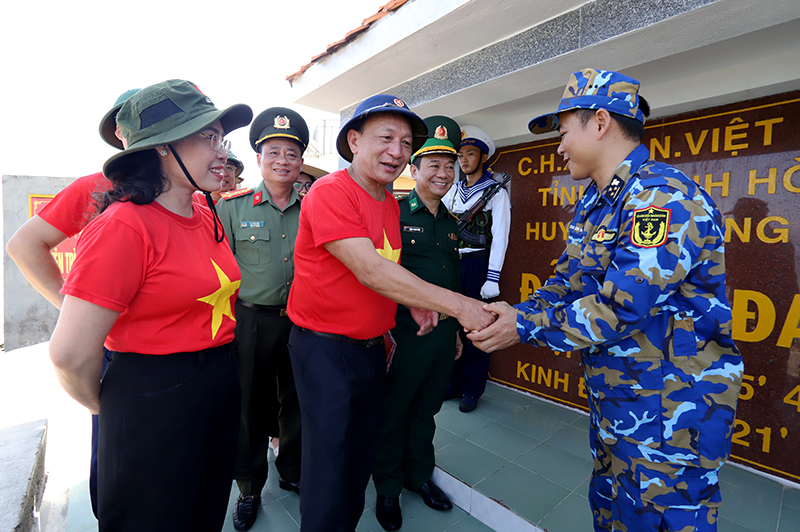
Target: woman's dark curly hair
138,178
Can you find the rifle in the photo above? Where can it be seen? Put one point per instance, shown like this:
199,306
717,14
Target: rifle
476,208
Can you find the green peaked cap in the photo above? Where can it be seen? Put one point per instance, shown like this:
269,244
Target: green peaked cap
444,136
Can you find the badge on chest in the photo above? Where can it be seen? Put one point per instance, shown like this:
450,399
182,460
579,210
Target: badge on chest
603,235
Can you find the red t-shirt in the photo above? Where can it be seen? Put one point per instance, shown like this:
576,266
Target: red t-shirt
74,207
172,283
200,199
325,295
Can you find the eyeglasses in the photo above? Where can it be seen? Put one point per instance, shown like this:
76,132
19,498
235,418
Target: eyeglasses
298,186
230,168
217,142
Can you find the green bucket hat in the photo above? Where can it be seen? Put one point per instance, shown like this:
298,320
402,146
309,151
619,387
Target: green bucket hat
168,112
108,125
236,162
444,136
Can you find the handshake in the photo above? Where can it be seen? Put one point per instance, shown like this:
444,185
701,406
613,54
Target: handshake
491,326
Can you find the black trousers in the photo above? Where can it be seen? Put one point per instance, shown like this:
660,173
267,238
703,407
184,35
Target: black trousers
415,387
472,369
340,387
269,399
95,438
168,430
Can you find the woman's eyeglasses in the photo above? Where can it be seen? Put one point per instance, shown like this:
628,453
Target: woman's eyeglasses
217,142
298,186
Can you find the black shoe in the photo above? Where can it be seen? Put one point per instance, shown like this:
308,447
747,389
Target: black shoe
244,512
467,404
387,509
285,485
434,497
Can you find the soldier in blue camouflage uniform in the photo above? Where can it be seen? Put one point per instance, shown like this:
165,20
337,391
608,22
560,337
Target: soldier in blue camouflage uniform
640,290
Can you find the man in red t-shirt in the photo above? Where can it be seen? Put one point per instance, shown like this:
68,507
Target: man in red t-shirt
344,299
64,217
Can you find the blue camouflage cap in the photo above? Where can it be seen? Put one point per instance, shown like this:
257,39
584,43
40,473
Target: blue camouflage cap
594,89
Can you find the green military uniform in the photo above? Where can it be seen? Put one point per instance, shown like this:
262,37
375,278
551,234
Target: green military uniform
262,238
420,371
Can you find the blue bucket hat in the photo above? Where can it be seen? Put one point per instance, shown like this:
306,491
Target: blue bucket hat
381,103
594,89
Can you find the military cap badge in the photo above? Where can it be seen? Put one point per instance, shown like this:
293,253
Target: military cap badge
440,133
399,103
281,122
650,227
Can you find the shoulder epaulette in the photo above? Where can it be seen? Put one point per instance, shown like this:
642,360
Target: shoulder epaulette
456,218
236,193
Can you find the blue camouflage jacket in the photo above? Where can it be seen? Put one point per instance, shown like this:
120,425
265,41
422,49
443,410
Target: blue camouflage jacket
640,289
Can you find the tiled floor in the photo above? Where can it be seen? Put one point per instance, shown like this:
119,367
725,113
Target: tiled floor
515,464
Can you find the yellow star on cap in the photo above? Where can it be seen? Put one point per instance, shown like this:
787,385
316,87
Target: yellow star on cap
220,300
388,252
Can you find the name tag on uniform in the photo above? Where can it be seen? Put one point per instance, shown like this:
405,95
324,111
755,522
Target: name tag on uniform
412,229
245,225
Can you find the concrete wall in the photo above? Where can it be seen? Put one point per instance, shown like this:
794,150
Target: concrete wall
28,317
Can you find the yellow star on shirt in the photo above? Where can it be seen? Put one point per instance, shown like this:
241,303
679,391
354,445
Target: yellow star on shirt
220,300
387,252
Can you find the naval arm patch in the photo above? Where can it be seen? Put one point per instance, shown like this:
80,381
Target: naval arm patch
650,227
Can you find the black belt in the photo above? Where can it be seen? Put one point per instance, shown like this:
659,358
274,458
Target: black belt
366,344
267,309
477,254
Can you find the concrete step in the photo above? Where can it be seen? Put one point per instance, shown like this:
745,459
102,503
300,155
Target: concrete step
22,476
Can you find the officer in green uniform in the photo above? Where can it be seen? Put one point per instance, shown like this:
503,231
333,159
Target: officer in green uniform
261,225
421,367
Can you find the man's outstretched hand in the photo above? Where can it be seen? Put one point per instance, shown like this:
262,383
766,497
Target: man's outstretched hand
500,334
473,315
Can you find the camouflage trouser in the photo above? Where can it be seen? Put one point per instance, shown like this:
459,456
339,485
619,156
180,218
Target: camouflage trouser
617,485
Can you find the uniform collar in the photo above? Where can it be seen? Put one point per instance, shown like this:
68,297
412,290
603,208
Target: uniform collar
415,204
466,192
260,195
630,166
483,181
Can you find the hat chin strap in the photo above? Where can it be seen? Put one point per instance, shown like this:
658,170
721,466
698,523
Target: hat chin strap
209,200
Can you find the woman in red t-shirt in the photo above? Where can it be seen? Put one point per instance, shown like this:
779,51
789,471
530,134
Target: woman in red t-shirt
154,279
